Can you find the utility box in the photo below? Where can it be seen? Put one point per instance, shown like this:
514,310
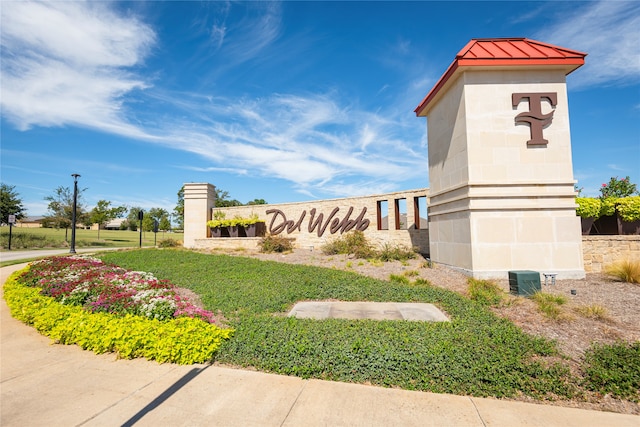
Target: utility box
524,282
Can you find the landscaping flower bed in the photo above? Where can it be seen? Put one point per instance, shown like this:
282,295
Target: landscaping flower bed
98,287
104,308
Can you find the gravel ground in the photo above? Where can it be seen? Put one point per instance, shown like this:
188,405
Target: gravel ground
573,331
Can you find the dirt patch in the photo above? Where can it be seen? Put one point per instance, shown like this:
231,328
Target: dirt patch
573,332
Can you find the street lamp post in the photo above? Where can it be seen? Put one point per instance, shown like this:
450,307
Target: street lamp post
73,213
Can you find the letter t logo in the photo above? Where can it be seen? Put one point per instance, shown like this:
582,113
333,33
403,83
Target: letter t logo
537,121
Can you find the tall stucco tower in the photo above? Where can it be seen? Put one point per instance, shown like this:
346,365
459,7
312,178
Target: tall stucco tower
501,177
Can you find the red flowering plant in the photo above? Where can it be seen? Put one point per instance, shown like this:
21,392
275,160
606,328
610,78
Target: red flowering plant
99,287
618,188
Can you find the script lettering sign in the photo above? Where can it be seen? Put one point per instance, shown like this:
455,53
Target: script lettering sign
317,223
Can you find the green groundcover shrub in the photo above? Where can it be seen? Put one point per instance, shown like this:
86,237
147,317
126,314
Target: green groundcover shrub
475,354
588,207
183,340
615,369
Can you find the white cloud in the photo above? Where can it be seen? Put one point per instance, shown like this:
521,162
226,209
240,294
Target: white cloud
67,63
235,171
616,167
245,39
609,32
83,76
310,141
217,35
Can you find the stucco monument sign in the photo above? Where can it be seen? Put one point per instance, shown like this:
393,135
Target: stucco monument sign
501,194
501,178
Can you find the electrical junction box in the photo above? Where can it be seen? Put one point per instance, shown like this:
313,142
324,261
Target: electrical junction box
524,282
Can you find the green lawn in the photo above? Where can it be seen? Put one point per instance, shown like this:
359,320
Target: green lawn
477,353
46,238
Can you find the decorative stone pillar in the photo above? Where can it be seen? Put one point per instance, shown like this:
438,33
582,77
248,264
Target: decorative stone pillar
501,178
199,201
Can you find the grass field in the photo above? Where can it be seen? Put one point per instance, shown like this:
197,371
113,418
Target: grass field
477,353
46,238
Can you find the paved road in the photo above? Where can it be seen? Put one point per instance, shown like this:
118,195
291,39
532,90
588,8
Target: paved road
27,255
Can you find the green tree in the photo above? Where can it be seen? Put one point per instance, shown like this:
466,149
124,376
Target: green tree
179,209
165,224
10,203
223,201
102,213
154,214
257,202
618,188
147,223
60,208
132,218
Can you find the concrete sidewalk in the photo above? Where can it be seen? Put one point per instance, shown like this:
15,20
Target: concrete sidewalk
55,385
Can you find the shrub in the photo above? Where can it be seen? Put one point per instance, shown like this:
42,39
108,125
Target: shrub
220,221
608,206
375,262
182,340
270,243
97,287
629,208
588,207
169,243
614,369
427,263
627,271
485,292
397,278
549,304
421,282
352,243
252,219
593,311
618,188
355,243
396,253
213,223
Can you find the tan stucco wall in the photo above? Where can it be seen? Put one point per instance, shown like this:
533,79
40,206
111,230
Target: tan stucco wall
497,204
602,251
410,237
199,198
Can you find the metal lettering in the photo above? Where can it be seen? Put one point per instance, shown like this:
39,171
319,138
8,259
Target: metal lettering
318,223
280,228
280,223
537,121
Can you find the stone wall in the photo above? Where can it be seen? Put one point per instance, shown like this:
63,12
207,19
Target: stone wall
602,251
381,217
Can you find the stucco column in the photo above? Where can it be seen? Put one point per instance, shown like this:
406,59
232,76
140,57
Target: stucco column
500,171
199,201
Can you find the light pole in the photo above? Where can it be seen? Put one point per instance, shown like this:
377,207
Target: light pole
73,213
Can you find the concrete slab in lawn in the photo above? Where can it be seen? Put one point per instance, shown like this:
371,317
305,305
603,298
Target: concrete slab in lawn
368,310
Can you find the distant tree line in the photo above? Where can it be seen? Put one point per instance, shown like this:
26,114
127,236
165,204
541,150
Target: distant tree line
60,210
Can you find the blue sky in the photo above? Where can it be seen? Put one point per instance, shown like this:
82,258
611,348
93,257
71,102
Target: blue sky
286,101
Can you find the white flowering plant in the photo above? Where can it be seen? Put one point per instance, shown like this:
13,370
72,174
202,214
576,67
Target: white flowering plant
98,287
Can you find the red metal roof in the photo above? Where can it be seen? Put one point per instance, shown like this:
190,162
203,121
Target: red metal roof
506,52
